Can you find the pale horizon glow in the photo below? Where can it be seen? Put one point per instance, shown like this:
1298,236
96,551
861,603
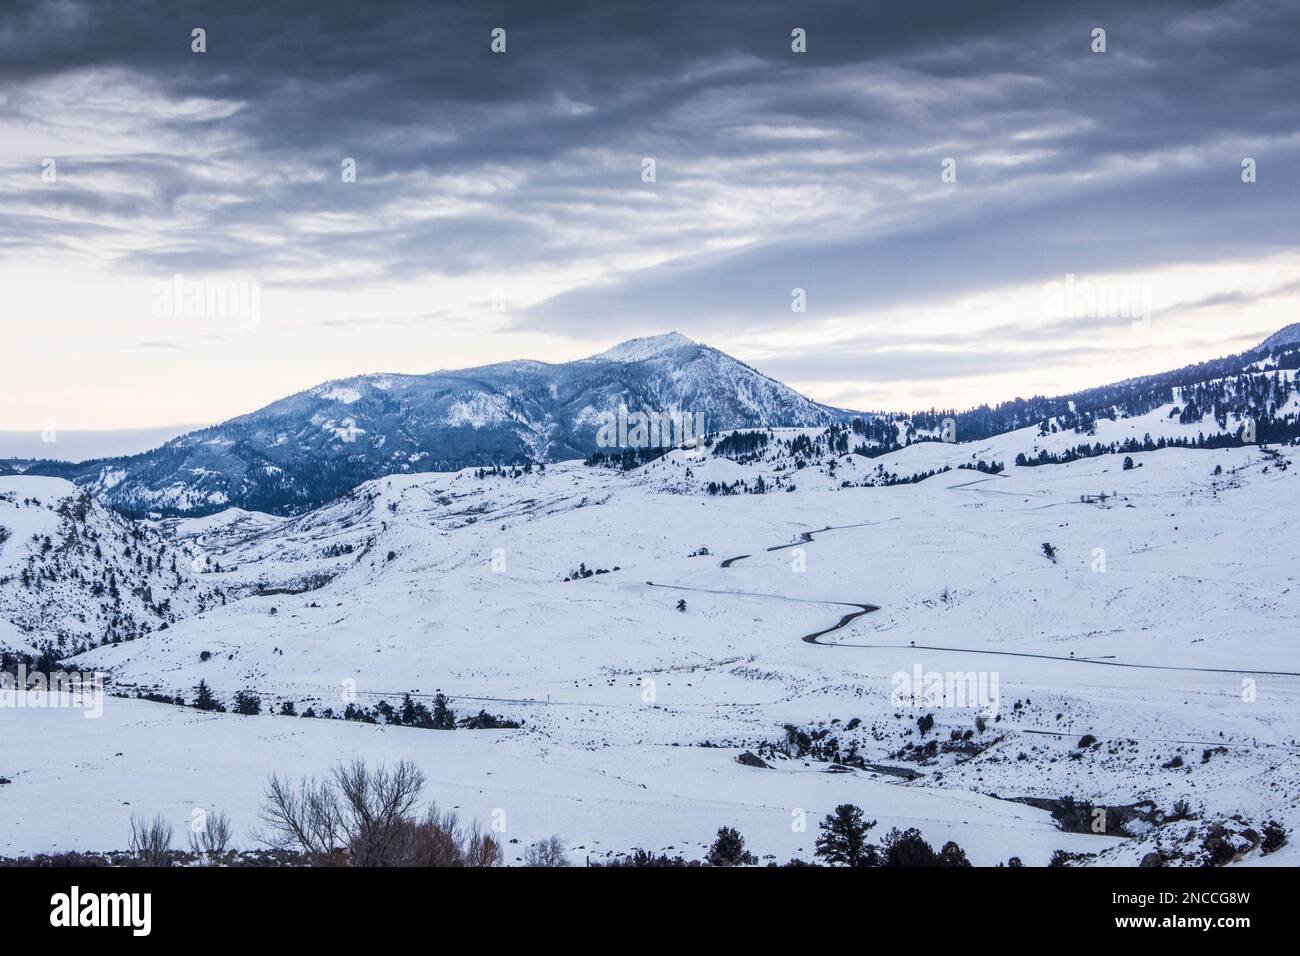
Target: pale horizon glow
211,370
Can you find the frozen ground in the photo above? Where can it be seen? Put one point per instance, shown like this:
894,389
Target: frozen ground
1166,627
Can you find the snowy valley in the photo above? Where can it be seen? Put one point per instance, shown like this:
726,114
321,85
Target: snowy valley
715,637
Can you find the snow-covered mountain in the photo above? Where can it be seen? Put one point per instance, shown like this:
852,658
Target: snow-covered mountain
311,447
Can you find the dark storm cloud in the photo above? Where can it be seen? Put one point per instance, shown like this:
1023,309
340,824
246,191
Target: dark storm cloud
775,170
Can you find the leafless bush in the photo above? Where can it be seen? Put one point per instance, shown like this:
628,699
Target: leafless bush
483,849
151,841
375,810
363,817
547,853
437,839
212,843
304,818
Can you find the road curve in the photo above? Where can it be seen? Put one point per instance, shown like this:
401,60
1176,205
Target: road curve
806,537
866,609
810,638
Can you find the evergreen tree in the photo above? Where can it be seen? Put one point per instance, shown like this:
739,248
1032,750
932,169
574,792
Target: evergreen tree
444,718
843,837
729,849
908,848
248,703
953,855
203,699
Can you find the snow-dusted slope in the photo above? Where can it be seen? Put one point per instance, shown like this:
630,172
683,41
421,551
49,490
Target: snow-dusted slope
74,573
1289,335
1134,610
1170,586
790,459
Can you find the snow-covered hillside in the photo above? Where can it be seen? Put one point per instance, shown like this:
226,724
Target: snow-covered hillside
1102,587
1139,625
74,573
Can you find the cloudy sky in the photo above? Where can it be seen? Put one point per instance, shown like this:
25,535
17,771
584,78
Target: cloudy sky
500,207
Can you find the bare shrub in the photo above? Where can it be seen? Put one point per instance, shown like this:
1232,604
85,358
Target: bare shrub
483,849
376,809
304,818
151,841
437,839
547,853
363,817
212,843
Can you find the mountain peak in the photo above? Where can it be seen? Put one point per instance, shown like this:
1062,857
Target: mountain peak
322,442
1283,336
635,350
